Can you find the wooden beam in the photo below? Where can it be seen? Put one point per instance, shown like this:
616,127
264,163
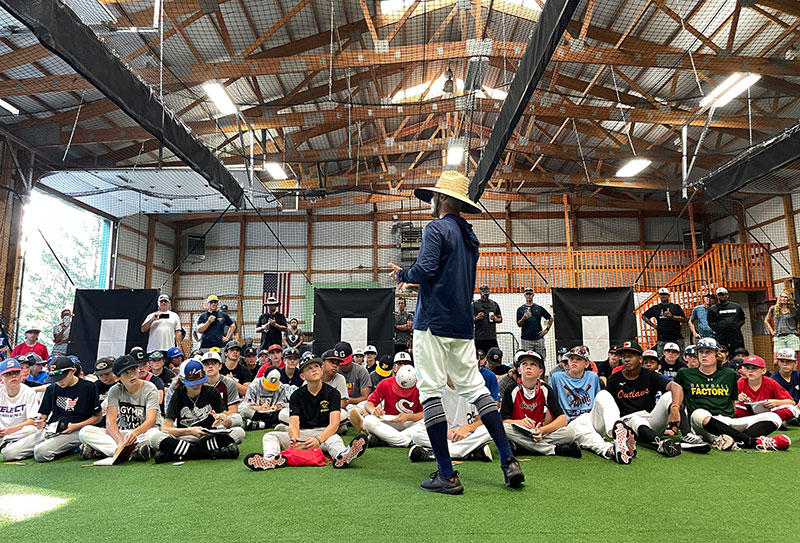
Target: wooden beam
791,234
240,292
274,28
151,247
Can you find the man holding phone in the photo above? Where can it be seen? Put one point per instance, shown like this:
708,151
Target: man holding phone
211,323
164,327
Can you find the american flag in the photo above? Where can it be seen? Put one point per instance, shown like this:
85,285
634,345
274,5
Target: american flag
278,284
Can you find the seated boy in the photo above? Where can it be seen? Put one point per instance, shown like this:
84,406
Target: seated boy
754,389
690,356
18,404
314,417
227,387
650,360
264,398
671,362
787,376
394,409
131,415
69,404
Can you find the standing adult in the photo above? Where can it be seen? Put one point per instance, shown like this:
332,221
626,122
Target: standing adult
271,324
211,324
294,337
698,320
486,315
782,323
31,344
163,327
666,318
529,319
726,318
443,332
403,326
61,332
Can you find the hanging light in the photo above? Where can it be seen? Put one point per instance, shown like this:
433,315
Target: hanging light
449,86
633,167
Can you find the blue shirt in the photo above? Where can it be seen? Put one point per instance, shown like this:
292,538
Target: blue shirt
700,313
212,337
576,396
533,325
445,273
792,387
491,383
3,345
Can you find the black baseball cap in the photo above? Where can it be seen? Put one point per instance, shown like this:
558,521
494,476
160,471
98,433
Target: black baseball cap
343,351
60,369
632,346
495,356
308,361
250,351
233,344
103,365
123,364
138,354
328,355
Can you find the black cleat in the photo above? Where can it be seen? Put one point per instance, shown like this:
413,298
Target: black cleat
513,474
231,452
418,453
450,485
569,449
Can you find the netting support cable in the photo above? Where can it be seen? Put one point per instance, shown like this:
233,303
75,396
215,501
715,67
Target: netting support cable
622,111
580,150
56,257
74,126
700,141
750,232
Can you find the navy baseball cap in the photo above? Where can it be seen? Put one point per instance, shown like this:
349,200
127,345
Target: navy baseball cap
123,364
174,352
343,351
291,352
60,369
9,365
250,351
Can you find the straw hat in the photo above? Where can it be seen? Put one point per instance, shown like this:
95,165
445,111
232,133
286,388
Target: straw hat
451,184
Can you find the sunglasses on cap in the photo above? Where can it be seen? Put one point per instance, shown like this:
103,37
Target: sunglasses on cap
60,372
195,375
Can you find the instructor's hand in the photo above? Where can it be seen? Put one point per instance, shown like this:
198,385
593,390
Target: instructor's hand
395,269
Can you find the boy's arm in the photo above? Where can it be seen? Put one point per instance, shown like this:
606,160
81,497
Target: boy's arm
149,422
111,423
333,426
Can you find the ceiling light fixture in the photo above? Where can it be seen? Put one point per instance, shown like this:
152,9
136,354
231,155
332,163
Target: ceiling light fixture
455,151
275,170
633,167
8,107
157,13
217,93
729,89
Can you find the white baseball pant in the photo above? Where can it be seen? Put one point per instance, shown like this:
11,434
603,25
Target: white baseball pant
737,423
394,434
275,442
547,446
99,440
605,413
41,447
438,357
458,449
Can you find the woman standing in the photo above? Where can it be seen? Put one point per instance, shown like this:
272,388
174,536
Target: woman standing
782,323
294,335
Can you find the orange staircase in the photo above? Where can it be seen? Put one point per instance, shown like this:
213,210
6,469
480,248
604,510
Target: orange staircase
735,266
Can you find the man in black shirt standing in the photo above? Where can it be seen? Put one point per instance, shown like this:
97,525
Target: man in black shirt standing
313,421
271,324
726,319
666,318
486,314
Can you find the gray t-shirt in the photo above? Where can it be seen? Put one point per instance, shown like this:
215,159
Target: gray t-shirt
356,379
402,318
337,382
133,408
785,323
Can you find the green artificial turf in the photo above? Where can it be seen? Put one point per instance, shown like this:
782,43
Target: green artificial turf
721,496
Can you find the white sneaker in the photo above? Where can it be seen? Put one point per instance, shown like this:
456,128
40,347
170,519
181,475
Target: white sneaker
694,443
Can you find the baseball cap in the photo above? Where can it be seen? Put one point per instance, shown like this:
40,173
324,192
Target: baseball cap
309,361
193,374
9,365
525,355
707,343
384,366
663,290
60,369
528,290
484,288
343,351
722,290
672,347
163,298
495,356
211,355
212,298
329,355
272,300
123,364
174,352
138,354
306,355
272,380
786,354
263,351
581,351
690,349
156,355
634,347
23,359
250,351
481,354
563,350
358,351
34,358
275,347
650,353
741,350
224,308
370,349
104,365
33,328
613,348
291,352
754,360
709,295
402,357
233,344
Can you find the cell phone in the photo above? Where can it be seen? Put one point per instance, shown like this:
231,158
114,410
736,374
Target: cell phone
215,313
163,316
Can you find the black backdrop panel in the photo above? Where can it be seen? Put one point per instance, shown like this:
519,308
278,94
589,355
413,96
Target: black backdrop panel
331,305
570,305
93,306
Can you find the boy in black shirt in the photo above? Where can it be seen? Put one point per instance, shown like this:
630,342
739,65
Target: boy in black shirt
671,362
631,394
314,417
68,405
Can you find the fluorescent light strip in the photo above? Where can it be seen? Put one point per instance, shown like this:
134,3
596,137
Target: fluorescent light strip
157,14
633,167
720,89
275,170
8,107
217,93
455,155
736,90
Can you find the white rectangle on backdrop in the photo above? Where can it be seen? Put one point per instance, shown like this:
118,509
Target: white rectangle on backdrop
113,337
354,332
596,336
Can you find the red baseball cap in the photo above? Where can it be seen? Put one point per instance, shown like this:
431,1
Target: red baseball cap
754,360
275,347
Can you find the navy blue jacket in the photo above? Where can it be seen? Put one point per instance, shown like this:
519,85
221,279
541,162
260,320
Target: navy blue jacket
445,272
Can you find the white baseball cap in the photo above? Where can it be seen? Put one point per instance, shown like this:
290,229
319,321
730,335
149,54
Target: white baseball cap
371,349
663,290
402,356
358,351
211,355
722,290
672,347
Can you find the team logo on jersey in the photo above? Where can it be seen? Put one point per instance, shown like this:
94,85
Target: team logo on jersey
404,406
323,406
66,404
190,417
578,396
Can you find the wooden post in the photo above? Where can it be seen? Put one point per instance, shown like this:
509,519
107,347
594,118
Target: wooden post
691,231
375,243
791,235
509,257
242,245
151,248
743,236
12,217
642,244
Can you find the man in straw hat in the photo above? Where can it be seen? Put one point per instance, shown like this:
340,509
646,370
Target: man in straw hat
443,327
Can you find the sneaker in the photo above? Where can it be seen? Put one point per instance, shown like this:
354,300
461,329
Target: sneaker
668,448
780,442
88,453
622,436
373,441
141,453
571,450
482,454
356,449
724,442
356,422
450,485
342,429
418,453
694,443
257,462
160,457
512,473
251,424
230,452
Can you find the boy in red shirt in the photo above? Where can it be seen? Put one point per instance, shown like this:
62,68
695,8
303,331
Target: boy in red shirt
754,389
394,422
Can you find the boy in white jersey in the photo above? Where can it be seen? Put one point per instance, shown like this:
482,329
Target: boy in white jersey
18,404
